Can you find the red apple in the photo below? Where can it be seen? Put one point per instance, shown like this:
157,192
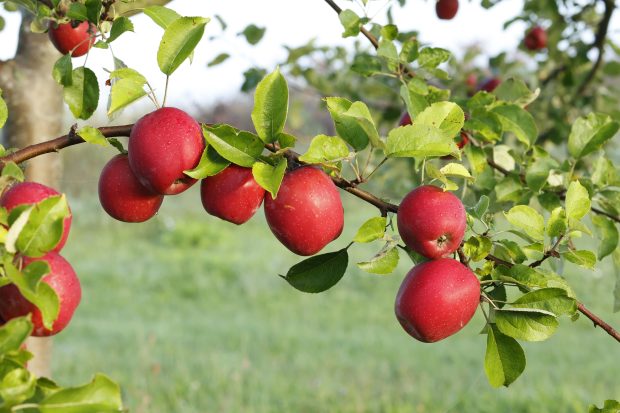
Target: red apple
28,193
74,37
536,39
405,119
490,84
437,299
162,145
121,194
463,140
232,195
446,9
431,221
307,213
65,283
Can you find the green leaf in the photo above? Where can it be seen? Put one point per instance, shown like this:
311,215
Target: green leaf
325,149
583,258
477,248
517,120
481,207
504,360
179,41
270,106
353,122
448,117
4,111
101,395
162,16
527,219
17,386
120,25
220,58
537,173
77,11
557,224
589,133
419,140
486,124
608,234
515,91
387,50
20,219
455,169
241,148
385,262
535,278
82,95
431,57
577,202
351,23
526,324
371,230
11,169
63,70
270,177
14,333
93,10
319,273
44,227
610,406
127,87
415,102
211,163
253,34
93,135
554,300
252,76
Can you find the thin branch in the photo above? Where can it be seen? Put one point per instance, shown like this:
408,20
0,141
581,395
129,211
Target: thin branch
371,38
607,214
552,252
598,322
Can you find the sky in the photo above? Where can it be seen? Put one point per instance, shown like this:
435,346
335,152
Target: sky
288,22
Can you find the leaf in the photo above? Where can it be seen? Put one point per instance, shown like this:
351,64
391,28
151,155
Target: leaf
211,163
127,87
351,23
11,169
270,106
353,122
82,95
448,117
319,273
515,91
557,224
253,34
44,227
518,121
371,230
583,258
241,148
270,177
14,333
455,169
220,58
161,15
589,133
384,262
325,149
101,395
477,248
480,208
431,57
63,70
415,102
535,278
179,41
608,234
16,227
537,173
77,11
120,25
504,360
577,202
554,300
93,10
92,135
419,140
610,406
526,324
527,219
4,111
252,76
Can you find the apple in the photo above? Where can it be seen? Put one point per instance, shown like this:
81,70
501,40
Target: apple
446,9
28,193
122,196
431,221
232,195
65,283
463,140
307,214
75,37
437,299
163,144
535,39
490,84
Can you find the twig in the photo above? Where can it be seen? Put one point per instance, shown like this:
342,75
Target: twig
371,38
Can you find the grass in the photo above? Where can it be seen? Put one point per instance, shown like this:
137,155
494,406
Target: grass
188,314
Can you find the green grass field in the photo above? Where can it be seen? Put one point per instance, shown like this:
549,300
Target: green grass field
188,314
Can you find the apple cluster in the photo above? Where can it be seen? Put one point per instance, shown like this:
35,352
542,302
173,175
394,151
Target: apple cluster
306,215
61,278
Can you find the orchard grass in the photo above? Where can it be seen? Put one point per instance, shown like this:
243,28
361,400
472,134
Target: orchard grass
188,314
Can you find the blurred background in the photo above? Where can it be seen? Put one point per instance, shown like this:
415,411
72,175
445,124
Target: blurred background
188,313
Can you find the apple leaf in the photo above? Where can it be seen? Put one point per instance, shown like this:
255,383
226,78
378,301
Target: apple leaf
554,300
162,16
537,173
608,233
504,360
12,170
63,70
515,91
583,258
93,135
325,149
100,395
431,57
270,106
241,148
18,219
610,406
351,23
557,224
270,177
82,95
517,120
415,102
353,122
319,273
526,323
120,25
4,111
485,124
253,34
477,248
384,262
211,163
371,230
179,41
577,202
589,133
419,141
527,219
127,87
14,333
448,117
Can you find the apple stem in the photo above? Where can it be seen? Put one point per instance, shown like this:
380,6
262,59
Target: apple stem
165,91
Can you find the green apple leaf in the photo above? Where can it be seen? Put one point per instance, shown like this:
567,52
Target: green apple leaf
557,224
608,234
526,323
589,133
577,202
583,258
162,16
14,333
93,135
416,103
385,262
270,106
515,91
63,70
517,120
610,406
4,111
554,300
120,25
448,117
477,248
241,148
270,177
82,95
127,87
253,34
527,219
504,360
419,141
325,149
101,395
319,273
371,230
351,23
353,122
616,261
211,163
12,170
179,41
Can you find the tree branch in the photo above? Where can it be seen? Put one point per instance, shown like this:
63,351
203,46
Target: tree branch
372,39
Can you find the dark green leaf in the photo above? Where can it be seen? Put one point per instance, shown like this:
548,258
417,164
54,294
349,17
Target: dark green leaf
270,106
82,95
220,58
241,148
211,163
518,121
319,273
121,25
526,324
589,133
63,70
253,34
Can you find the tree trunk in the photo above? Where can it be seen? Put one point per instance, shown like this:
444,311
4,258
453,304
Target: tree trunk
35,114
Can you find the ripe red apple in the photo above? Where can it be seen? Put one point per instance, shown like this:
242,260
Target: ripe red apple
232,195
446,9
121,194
437,299
535,39
74,37
490,84
28,193
307,213
65,283
162,145
463,140
431,221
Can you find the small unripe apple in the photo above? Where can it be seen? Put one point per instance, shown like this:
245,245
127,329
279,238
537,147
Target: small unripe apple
162,145
437,299
74,37
431,221
122,196
446,9
28,193
232,195
307,214
490,84
536,39
65,283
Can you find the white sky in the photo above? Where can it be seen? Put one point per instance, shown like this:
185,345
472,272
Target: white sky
290,22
